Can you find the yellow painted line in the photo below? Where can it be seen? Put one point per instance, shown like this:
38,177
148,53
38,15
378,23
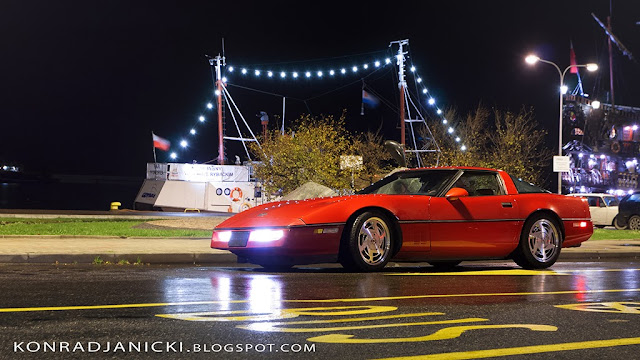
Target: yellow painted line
442,334
443,296
271,327
524,350
521,272
386,298
484,272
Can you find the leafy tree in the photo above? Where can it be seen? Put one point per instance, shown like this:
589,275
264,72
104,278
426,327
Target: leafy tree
495,139
375,158
310,151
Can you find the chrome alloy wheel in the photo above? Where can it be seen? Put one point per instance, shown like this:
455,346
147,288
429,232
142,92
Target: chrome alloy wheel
374,241
544,240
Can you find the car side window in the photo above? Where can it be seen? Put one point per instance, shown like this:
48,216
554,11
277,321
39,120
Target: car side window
479,183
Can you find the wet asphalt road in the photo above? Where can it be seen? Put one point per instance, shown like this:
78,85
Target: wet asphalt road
576,310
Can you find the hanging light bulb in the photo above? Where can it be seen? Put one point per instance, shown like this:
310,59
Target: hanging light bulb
450,130
432,101
295,74
184,143
444,121
354,69
173,156
284,74
439,111
230,68
343,71
424,91
463,148
413,69
377,63
201,118
419,80
193,131
365,66
244,71
331,72
319,73
307,74
209,106
257,72
270,73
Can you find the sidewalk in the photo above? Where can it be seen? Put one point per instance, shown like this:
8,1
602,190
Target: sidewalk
85,249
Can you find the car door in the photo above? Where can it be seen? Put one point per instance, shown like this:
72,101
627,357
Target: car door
484,224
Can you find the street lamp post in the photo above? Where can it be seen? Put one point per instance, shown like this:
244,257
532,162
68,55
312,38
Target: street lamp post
532,59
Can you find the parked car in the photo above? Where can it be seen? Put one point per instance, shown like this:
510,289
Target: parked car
629,212
439,215
603,207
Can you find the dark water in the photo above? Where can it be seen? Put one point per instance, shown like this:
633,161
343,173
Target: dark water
58,195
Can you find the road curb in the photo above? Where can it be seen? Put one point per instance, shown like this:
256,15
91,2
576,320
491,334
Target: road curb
189,258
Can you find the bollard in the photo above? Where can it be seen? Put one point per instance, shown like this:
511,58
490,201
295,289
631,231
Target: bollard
115,205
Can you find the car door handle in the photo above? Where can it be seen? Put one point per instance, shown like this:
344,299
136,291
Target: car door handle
507,205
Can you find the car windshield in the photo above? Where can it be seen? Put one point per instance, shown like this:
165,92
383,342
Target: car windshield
611,201
425,182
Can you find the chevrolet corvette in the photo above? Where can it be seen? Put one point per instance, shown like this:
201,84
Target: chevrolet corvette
442,215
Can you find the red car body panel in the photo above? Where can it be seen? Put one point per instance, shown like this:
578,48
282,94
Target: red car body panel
430,227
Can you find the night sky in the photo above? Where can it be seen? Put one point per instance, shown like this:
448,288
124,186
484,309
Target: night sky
83,83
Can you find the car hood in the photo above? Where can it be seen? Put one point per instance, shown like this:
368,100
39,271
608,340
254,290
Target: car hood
283,213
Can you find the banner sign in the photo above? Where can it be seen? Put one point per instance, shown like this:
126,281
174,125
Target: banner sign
201,172
156,171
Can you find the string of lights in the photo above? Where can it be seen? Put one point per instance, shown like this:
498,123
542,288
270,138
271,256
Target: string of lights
266,72
431,101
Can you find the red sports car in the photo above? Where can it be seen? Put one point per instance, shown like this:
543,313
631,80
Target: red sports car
439,215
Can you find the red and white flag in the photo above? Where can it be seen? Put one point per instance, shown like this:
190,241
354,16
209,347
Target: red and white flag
161,143
572,60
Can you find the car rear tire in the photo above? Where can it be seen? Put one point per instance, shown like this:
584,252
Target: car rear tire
540,243
634,222
617,224
369,242
444,265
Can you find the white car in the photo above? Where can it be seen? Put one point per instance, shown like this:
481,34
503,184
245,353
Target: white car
603,207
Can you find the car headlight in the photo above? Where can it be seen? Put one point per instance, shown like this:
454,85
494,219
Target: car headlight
266,235
224,236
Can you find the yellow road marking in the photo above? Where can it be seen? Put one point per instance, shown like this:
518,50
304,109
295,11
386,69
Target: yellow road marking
484,272
442,334
271,327
386,298
610,307
537,349
278,314
522,272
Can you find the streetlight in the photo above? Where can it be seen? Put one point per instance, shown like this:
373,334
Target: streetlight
531,60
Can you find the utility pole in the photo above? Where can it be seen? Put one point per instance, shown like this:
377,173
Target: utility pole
402,84
218,61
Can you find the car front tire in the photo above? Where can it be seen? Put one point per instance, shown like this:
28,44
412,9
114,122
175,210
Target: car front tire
540,243
369,244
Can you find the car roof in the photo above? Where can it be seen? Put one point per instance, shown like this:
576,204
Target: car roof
591,194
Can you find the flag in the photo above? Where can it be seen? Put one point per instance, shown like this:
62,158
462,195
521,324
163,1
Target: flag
160,143
572,60
369,99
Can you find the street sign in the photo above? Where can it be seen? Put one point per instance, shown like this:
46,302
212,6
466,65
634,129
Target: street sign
561,164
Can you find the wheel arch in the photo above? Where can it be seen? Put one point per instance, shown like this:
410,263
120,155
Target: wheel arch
551,214
397,231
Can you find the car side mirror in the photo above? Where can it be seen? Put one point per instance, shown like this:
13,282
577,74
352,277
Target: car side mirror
456,193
